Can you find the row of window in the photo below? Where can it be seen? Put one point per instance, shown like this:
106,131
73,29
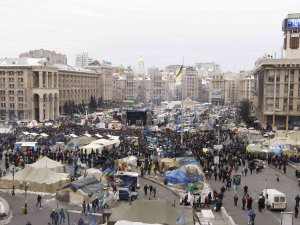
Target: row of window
287,78
11,73
11,105
11,99
2,92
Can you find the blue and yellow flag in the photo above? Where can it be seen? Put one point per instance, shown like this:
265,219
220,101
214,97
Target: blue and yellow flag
179,72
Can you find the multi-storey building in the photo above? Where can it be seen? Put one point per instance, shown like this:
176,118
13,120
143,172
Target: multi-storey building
36,89
245,89
189,84
83,59
52,56
276,96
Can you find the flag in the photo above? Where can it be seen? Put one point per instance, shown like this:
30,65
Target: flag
180,218
180,71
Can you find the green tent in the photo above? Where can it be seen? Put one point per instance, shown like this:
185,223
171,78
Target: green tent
151,211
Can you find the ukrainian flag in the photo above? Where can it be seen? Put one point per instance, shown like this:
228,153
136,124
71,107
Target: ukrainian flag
179,72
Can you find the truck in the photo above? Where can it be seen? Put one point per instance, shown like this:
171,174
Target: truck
274,199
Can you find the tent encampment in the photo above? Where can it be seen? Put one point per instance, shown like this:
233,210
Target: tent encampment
37,179
92,146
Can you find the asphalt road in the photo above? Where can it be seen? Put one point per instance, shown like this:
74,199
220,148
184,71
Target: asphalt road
256,183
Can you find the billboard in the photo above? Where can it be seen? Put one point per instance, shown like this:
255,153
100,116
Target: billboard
216,93
293,23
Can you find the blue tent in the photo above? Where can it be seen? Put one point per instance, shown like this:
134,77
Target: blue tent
276,149
177,176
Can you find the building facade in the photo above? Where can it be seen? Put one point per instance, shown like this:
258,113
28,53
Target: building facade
35,89
276,96
83,59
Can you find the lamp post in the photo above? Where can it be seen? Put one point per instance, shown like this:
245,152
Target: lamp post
13,174
25,188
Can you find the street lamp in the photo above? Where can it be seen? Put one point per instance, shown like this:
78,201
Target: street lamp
13,174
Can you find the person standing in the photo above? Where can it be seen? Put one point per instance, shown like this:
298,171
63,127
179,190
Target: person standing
62,216
253,218
277,177
297,200
296,211
145,189
245,190
150,189
39,200
284,169
250,213
52,216
83,208
260,203
235,199
244,202
154,191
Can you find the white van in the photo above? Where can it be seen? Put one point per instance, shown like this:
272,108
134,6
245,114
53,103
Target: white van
274,199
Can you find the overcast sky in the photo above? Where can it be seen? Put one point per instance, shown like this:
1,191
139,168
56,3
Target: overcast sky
233,33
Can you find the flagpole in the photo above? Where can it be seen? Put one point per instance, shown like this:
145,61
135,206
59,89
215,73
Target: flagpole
181,134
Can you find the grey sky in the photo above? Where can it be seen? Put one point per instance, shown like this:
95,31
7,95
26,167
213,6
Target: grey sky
233,33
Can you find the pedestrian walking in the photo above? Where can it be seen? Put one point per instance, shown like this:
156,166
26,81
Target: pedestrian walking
250,213
235,199
39,201
296,211
297,199
83,208
154,191
284,169
277,177
146,189
62,216
253,218
245,189
244,202
52,216
260,203
150,189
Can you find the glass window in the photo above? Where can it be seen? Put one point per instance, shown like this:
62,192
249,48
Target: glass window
282,199
270,75
276,199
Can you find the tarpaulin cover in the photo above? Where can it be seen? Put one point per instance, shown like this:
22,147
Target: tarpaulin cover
187,160
177,176
79,184
276,149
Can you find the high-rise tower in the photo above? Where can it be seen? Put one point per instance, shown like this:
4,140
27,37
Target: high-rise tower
141,66
291,30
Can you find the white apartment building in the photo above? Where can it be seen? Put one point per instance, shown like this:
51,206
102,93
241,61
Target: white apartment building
83,59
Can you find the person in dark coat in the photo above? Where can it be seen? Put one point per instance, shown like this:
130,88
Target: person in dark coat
244,202
296,211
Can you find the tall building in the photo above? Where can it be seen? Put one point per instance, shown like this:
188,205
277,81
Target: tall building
36,89
52,56
291,32
276,96
141,66
83,59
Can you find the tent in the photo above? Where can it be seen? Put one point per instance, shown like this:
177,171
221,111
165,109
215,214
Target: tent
150,211
276,149
130,161
113,140
94,172
169,163
32,124
37,179
124,222
44,135
45,162
92,146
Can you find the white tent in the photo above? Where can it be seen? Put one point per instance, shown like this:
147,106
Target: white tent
33,123
98,136
37,179
87,135
44,135
45,162
25,133
92,146
73,135
33,134
114,140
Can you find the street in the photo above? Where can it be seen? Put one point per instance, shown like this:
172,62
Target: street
256,183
